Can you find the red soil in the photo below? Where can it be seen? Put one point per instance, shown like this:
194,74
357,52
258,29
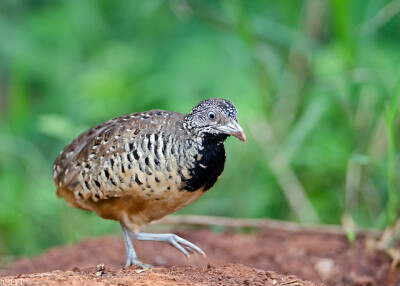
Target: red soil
315,256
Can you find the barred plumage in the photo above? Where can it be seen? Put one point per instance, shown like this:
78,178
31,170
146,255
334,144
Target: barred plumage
140,167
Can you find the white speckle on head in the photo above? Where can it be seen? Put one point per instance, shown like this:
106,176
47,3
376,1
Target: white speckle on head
58,168
62,151
117,136
71,153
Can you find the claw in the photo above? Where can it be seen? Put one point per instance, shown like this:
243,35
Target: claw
188,245
138,264
179,243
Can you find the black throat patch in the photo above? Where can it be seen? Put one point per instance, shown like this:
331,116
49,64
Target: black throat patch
210,166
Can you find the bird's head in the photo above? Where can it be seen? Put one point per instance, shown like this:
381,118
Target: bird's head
215,116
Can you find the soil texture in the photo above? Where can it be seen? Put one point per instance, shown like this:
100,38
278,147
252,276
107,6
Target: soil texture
232,259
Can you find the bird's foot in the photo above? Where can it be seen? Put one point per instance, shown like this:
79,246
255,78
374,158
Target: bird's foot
136,262
131,257
186,247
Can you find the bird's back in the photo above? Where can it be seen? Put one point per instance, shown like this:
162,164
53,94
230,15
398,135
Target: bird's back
109,141
137,168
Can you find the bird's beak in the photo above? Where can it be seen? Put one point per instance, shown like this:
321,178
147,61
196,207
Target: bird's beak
234,129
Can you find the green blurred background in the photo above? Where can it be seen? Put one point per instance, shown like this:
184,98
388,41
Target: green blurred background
316,84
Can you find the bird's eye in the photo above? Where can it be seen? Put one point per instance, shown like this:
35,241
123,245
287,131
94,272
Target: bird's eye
211,115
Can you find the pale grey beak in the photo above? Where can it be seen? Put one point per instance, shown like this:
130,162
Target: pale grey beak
234,129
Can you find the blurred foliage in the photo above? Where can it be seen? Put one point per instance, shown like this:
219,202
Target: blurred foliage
316,84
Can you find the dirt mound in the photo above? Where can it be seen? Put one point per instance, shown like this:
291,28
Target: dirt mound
231,274
320,257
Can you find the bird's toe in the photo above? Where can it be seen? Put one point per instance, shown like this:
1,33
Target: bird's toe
137,263
186,247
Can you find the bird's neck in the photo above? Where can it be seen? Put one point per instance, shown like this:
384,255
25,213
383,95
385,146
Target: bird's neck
208,162
210,139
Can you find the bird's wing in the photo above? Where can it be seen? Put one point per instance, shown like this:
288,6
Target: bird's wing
91,166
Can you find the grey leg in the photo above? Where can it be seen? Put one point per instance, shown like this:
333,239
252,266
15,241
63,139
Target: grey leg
131,257
181,244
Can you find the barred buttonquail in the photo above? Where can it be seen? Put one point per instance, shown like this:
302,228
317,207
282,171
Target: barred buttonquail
140,167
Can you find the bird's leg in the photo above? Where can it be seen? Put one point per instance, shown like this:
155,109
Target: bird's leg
131,257
181,244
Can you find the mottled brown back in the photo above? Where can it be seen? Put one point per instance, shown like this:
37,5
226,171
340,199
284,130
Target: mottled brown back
82,165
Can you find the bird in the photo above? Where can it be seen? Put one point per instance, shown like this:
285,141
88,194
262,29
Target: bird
140,167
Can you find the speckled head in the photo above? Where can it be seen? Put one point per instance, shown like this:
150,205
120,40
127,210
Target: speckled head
215,116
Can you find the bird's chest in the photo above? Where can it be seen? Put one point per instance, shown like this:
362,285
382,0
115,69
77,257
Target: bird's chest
208,166
197,169
187,166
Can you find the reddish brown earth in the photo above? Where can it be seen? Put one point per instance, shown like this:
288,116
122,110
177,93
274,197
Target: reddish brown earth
232,259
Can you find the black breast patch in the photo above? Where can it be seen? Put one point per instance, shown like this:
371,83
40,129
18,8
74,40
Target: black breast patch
207,170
